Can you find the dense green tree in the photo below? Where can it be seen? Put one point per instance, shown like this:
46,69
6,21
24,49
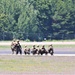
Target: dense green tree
36,19
4,23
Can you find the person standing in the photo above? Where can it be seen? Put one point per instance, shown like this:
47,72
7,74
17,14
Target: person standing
18,48
13,44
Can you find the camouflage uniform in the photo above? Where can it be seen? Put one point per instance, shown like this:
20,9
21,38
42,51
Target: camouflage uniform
38,50
13,48
26,50
43,50
18,48
34,50
50,50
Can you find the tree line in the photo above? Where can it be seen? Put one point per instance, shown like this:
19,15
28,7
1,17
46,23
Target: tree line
37,19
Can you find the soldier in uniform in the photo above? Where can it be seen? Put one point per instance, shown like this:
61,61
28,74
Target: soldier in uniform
39,50
50,50
43,50
18,48
13,44
34,50
26,50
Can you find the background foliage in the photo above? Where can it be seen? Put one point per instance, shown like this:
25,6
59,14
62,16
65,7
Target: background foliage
37,19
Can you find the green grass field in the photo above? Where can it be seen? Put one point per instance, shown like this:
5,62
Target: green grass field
37,64
57,46
8,44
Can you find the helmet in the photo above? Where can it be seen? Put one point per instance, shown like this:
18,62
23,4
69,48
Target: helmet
17,40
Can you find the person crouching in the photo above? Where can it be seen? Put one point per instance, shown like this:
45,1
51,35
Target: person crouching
50,50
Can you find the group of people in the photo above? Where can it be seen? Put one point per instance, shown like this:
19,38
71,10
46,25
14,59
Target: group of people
16,47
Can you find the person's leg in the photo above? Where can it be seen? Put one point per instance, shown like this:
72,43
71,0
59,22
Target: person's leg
25,52
16,51
12,51
20,51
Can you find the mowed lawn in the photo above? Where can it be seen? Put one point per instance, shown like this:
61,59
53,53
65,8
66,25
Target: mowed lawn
36,65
